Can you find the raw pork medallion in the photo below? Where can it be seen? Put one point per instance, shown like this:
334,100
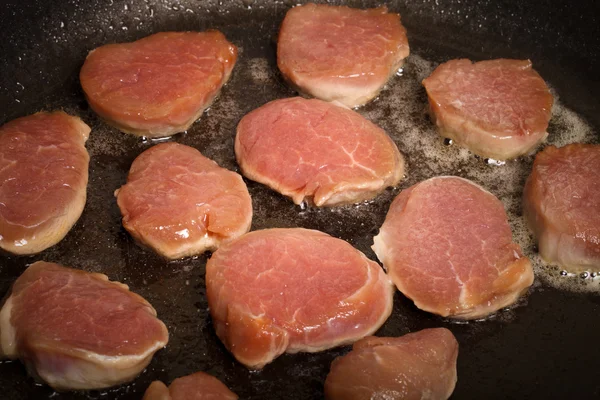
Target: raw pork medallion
289,290
43,180
340,53
416,366
180,203
447,246
561,202
78,330
197,386
498,108
318,152
159,85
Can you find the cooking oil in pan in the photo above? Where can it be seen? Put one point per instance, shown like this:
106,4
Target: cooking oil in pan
99,243
402,112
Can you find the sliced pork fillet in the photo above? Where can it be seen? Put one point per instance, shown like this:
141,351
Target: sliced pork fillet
197,386
416,366
292,290
78,330
180,203
337,53
561,202
315,151
159,85
43,179
498,108
447,246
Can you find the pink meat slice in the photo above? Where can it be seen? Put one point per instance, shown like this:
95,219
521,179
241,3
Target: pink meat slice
78,330
180,203
416,366
561,202
292,290
43,179
497,108
197,386
447,246
159,85
338,53
316,151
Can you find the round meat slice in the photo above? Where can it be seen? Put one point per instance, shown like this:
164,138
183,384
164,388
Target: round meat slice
292,290
180,203
337,53
197,386
78,330
561,202
318,152
447,246
43,180
159,85
416,366
498,108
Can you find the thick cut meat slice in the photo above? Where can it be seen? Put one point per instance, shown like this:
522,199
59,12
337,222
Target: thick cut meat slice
291,290
340,53
316,151
43,179
447,245
416,366
198,386
159,85
78,330
498,108
180,203
561,202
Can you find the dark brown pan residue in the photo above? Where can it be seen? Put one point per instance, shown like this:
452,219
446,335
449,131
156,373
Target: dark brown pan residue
541,348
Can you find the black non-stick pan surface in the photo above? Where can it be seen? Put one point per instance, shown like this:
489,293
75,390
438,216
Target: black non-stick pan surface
544,347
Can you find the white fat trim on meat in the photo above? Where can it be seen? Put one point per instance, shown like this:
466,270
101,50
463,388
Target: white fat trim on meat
122,361
211,242
8,335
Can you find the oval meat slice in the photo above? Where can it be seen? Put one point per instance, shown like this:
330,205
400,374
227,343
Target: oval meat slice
420,365
292,290
180,203
497,108
197,386
159,85
43,179
315,151
447,246
561,202
78,330
339,53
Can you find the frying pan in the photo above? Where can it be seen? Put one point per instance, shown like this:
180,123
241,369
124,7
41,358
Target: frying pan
544,347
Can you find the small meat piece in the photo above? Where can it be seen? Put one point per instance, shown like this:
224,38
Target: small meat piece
416,366
561,202
316,151
498,108
338,53
447,246
290,290
198,386
180,203
159,85
157,391
78,330
43,180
